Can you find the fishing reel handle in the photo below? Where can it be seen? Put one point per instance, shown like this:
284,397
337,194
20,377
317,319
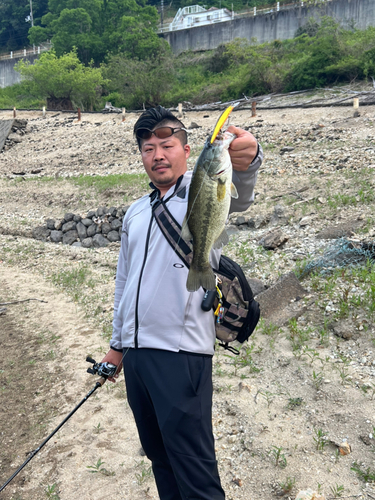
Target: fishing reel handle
104,370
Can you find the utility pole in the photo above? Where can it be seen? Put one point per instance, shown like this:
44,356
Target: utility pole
31,13
162,14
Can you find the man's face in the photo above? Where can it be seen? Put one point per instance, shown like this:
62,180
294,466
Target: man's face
165,159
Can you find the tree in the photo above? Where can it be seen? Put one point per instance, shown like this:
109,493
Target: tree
134,82
63,77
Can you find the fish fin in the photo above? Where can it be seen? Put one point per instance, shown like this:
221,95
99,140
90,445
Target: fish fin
222,240
185,231
200,278
221,190
233,191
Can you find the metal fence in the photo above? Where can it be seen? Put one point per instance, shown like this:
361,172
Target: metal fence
26,52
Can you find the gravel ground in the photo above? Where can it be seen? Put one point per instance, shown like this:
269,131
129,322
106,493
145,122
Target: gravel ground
297,392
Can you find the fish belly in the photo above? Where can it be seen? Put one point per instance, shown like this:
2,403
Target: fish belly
208,208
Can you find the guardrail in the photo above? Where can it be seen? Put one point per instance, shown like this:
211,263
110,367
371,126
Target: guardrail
253,12
25,52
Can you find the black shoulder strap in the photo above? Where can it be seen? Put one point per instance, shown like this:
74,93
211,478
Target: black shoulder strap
171,229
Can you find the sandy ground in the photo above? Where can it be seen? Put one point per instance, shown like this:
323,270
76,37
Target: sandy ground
269,410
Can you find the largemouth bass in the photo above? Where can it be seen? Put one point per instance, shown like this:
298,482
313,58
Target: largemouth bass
210,195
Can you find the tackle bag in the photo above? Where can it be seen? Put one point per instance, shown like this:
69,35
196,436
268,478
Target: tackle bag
241,312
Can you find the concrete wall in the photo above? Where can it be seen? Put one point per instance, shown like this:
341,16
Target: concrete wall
267,27
8,75
5,128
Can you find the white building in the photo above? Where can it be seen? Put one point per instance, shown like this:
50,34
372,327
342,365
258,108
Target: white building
195,15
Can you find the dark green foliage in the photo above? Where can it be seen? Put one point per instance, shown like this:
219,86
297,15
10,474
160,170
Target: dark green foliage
65,77
134,82
13,27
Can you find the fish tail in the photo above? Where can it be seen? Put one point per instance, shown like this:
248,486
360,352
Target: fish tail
200,278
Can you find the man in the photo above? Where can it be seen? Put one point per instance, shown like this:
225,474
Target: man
163,338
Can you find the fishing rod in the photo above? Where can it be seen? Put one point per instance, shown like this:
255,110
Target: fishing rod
104,370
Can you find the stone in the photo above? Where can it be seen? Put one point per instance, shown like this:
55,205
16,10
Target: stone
91,214
231,229
305,221
70,237
101,211
91,230
86,222
68,217
106,227
58,225
261,221
51,224
279,216
347,228
99,241
241,220
68,226
273,239
365,439
342,329
286,149
116,225
41,233
87,243
15,138
77,244
56,236
77,218
256,285
281,302
113,236
112,211
20,123
82,231
194,125
120,213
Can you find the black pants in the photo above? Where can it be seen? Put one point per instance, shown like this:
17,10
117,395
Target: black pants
170,395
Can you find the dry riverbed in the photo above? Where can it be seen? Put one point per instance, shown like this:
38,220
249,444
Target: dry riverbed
300,395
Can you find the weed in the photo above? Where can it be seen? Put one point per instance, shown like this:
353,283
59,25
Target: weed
72,281
267,328
145,472
320,439
52,492
367,475
344,374
97,428
298,336
294,403
268,396
337,490
97,468
278,456
113,181
317,379
288,485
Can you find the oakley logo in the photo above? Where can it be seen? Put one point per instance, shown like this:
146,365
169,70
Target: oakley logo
178,265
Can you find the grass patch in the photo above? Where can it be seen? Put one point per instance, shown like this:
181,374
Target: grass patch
113,181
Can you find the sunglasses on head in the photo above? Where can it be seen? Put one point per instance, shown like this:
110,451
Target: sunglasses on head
160,133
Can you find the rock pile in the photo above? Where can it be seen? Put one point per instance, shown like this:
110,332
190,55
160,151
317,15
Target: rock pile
97,229
17,131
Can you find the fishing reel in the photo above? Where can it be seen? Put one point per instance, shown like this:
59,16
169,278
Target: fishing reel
104,370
